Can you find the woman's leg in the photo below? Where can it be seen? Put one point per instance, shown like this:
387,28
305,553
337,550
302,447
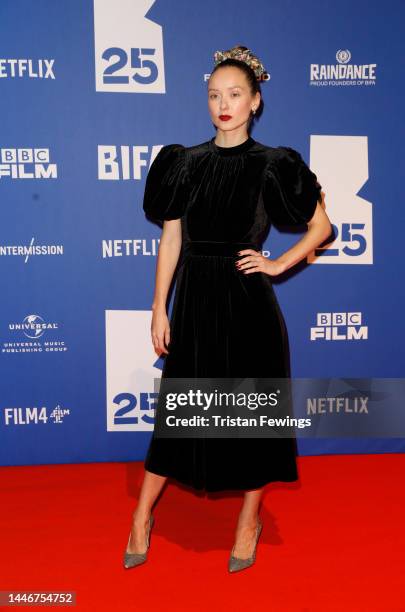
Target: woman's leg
247,523
150,489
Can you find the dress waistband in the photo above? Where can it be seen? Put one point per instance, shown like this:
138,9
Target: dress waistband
208,247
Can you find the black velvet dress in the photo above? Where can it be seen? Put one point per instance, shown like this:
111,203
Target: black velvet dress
225,323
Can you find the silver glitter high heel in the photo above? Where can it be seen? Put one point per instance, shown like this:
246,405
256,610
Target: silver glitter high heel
134,559
235,563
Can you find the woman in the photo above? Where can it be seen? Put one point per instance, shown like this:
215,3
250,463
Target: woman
216,202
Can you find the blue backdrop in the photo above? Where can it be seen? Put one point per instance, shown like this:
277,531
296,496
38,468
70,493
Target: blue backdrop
89,93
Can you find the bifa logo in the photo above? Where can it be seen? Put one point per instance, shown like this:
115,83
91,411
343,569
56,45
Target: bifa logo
27,164
128,48
116,163
339,326
342,168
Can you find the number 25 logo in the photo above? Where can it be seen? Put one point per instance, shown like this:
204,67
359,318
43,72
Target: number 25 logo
356,243
137,62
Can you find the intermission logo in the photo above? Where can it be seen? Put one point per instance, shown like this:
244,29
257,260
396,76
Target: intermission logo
339,326
27,164
343,73
35,415
26,251
38,334
27,68
129,248
128,48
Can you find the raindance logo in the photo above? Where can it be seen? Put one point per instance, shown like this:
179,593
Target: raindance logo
343,73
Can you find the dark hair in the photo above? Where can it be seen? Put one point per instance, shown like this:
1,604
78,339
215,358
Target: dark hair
254,84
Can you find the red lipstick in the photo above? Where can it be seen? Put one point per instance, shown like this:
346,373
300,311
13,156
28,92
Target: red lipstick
225,117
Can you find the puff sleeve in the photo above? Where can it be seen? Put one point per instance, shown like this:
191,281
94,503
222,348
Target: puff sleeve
291,190
166,186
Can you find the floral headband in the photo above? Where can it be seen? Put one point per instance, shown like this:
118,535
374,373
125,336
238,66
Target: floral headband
243,56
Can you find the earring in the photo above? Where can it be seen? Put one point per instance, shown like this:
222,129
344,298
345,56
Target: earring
253,110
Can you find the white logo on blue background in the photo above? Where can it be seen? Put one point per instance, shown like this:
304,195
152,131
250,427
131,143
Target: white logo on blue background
27,164
128,48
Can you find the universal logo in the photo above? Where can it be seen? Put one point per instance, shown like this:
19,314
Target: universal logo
34,415
29,68
22,250
339,326
343,73
33,327
27,164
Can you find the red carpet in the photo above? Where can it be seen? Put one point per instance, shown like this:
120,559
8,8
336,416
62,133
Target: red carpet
333,541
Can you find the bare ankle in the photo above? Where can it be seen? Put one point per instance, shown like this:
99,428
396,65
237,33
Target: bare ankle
249,523
140,518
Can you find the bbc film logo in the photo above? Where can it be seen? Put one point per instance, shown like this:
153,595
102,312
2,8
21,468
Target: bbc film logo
339,326
27,163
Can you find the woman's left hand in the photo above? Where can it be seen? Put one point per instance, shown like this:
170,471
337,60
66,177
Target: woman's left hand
254,261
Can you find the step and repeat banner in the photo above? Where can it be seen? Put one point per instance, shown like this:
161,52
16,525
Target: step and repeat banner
89,93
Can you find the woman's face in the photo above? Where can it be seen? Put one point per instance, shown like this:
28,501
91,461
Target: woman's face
229,94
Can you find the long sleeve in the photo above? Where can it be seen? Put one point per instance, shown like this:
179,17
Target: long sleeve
291,190
166,187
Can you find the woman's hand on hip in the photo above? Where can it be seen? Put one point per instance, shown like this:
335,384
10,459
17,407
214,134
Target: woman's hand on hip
254,261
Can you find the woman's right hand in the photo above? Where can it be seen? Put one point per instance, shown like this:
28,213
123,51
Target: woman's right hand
160,329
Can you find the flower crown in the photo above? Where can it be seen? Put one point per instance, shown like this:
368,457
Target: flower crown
243,55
